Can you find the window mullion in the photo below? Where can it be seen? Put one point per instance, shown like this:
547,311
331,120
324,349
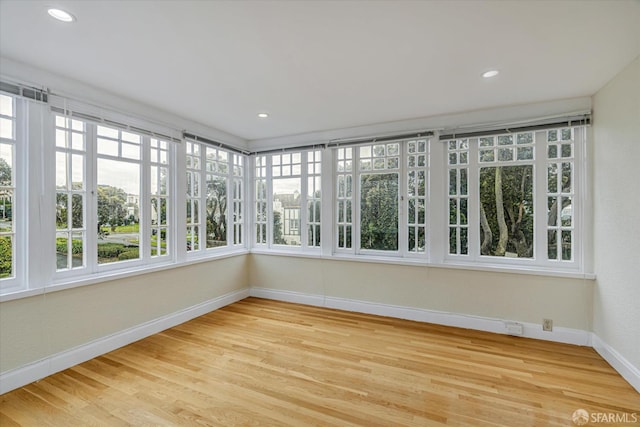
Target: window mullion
91,175
145,201
540,192
304,214
178,183
328,205
269,187
403,239
473,210
355,202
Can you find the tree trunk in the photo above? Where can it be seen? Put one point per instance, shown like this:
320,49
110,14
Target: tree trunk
487,235
502,224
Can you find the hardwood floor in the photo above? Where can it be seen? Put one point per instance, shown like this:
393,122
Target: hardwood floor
268,363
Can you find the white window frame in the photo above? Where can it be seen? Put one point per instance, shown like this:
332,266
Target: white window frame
19,204
232,179
91,267
304,176
539,259
403,201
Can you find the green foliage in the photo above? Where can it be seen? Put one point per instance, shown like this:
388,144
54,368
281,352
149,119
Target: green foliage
129,254
110,250
216,210
5,257
112,207
61,246
517,205
379,212
131,228
5,173
278,237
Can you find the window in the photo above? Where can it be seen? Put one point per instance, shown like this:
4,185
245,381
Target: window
314,196
521,207
260,197
8,196
113,197
286,172
560,193
238,199
212,175
194,176
378,179
119,174
71,193
344,198
382,200
417,197
159,197
288,199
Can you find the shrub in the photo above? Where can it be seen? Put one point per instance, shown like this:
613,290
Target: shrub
110,250
61,246
129,254
5,257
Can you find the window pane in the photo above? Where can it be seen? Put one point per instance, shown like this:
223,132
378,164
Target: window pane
6,128
379,211
118,211
6,257
6,211
286,211
506,195
6,105
216,211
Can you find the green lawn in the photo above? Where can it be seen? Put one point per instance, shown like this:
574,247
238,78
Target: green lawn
133,228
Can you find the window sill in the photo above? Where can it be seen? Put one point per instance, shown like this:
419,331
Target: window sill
75,282
537,271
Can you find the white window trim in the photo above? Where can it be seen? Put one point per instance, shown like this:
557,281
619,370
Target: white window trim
204,252
19,205
304,175
403,206
539,261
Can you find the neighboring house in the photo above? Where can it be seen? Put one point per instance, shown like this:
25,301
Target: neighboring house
288,205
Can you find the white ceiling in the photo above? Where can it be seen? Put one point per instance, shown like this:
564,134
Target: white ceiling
320,65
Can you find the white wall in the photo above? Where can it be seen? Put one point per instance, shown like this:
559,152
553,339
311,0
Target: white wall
32,329
616,118
509,296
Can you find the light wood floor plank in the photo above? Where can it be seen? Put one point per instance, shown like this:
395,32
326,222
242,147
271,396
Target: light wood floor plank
268,363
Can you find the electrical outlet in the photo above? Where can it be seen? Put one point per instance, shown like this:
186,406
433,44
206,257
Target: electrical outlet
547,325
514,328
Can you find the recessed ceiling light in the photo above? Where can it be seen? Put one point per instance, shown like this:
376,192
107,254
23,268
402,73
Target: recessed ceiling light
61,15
263,115
490,73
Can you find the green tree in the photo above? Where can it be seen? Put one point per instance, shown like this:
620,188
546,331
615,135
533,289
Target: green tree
379,212
5,172
216,212
5,196
6,263
506,212
278,237
111,206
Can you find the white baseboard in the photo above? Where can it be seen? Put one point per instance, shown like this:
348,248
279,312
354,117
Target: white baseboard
10,380
618,362
487,324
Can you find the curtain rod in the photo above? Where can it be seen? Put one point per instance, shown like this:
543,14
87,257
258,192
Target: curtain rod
100,120
24,91
540,124
196,138
349,141
379,138
286,149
